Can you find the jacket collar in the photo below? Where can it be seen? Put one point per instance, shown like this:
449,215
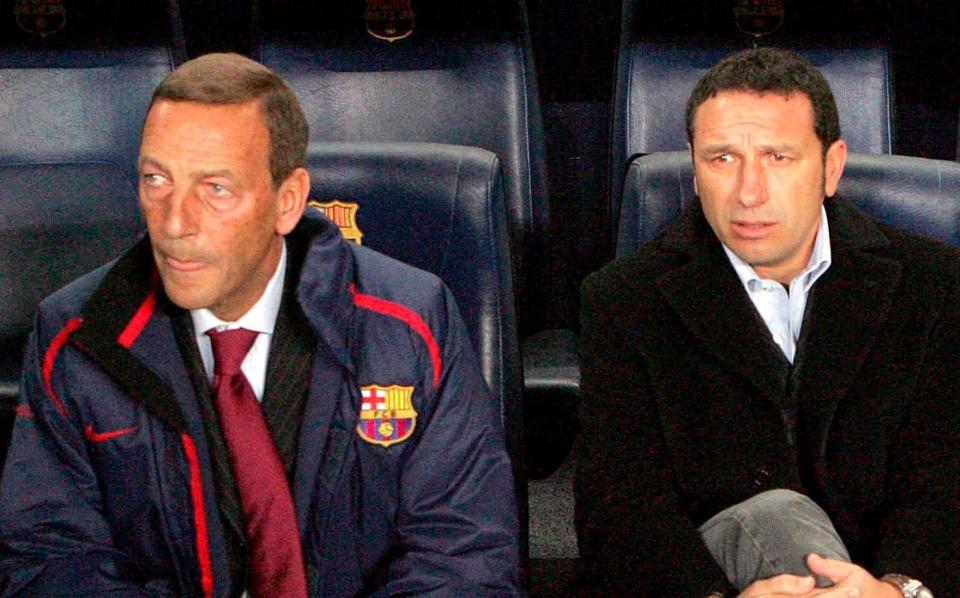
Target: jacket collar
707,295
850,302
126,322
326,277
128,307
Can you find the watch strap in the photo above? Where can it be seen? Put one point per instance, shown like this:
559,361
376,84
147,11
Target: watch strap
909,587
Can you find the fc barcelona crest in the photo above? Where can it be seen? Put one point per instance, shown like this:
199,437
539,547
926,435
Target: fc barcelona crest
344,215
390,20
40,17
387,415
758,17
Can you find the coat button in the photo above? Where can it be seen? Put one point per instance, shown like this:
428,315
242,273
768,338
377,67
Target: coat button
761,477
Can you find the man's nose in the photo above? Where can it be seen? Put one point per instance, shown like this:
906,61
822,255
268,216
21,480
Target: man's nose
753,184
178,217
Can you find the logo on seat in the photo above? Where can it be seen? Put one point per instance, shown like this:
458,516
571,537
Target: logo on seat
387,415
40,17
344,215
758,17
390,20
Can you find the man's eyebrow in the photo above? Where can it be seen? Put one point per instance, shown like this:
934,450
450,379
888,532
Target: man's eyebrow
227,174
148,161
716,148
779,148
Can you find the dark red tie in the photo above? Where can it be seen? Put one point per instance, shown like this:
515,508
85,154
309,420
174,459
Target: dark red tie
275,555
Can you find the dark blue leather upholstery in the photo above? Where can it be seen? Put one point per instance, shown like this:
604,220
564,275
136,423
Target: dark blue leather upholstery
917,194
658,77
458,87
439,208
70,122
654,81
68,200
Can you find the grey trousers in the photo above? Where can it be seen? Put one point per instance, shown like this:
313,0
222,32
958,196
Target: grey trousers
770,534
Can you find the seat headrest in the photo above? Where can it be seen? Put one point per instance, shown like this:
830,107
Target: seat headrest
437,207
661,76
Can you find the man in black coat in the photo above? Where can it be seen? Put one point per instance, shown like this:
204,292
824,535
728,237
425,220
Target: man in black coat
775,375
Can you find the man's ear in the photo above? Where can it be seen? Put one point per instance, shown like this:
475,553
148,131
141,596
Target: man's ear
292,200
833,164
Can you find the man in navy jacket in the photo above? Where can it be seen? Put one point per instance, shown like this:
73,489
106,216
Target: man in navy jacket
118,481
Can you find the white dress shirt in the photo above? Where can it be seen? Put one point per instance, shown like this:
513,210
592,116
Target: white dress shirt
260,318
781,311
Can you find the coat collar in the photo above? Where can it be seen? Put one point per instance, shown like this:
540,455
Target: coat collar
126,322
707,295
129,306
850,302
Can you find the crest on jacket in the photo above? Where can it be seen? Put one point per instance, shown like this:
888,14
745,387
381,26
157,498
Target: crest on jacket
387,415
344,215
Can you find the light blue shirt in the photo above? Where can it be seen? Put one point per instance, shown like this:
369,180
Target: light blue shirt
781,311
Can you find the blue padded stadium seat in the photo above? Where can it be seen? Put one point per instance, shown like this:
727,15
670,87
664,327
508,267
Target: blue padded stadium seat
439,208
463,77
453,80
72,102
68,199
917,194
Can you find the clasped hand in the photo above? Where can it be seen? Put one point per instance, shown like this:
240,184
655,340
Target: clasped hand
849,580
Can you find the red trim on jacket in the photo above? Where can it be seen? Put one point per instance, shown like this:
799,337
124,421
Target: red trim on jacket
408,317
139,320
199,516
51,357
105,436
24,410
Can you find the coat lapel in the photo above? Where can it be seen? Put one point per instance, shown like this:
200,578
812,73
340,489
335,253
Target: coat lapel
118,315
850,304
288,367
708,296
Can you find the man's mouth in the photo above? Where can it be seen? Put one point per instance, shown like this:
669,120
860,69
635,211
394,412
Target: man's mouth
183,264
752,230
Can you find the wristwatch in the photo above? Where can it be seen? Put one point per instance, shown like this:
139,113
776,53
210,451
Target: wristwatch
911,588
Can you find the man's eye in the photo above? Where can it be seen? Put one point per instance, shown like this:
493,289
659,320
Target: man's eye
778,157
152,179
219,190
723,158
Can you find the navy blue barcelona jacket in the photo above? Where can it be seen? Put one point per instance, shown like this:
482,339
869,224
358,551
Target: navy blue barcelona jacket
108,487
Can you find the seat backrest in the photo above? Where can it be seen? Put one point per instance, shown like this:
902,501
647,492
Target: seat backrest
919,195
655,79
457,79
71,113
439,208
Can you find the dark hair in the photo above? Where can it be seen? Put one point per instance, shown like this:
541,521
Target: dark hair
770,70
235,79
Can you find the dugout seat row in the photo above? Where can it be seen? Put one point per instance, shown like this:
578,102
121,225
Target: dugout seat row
464,77
391,122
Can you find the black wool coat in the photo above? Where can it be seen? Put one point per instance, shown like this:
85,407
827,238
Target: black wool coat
690,407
